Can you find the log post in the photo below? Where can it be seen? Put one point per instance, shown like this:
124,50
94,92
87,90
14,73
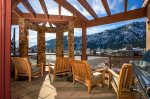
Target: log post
41,58
71,40
59,43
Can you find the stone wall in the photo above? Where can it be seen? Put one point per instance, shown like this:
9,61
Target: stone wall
23,38
41,58
59,43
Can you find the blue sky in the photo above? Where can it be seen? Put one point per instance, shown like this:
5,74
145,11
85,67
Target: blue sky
116,6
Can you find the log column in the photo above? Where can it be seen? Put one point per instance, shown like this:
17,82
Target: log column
84,56
71,39
59,43
41,46
23,38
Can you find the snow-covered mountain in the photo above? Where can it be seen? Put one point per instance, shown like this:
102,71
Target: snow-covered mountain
133,33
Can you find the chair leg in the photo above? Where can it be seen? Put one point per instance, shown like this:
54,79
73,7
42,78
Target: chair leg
74,81
89,88
29,78
16,77
54,76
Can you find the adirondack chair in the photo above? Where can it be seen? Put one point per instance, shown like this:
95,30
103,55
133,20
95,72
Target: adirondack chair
24,68
61,66
83,74
121,83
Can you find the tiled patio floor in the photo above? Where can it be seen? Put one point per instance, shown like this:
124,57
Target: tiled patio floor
45,88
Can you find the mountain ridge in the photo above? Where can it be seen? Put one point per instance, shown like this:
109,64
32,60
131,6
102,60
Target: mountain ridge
133,33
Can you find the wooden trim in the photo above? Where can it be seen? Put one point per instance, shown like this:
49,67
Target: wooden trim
85,4
125,5
5,22
29,8
105,4
129,15
70,8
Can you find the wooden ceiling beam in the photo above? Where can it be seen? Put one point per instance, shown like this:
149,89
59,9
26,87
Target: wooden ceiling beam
70,8
29,8
85,4
44,7
125,5
40,17
129,15
105,4
77,23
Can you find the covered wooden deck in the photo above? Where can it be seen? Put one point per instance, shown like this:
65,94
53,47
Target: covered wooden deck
43,88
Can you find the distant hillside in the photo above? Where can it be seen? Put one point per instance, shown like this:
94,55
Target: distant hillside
134,33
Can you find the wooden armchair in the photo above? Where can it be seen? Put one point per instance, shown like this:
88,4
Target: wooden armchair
60,67
83,74
24,68
121,83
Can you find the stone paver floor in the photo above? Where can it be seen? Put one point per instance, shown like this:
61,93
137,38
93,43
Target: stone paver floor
45,88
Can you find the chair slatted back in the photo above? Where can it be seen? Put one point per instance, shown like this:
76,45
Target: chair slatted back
81,70
22,65
62,64
125,77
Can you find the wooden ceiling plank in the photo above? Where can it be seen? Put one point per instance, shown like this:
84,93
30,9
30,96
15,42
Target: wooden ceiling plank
44,7
125,5
29,8
129,15
105,4
85,4
70,8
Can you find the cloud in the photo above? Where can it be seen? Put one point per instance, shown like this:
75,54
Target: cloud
133,7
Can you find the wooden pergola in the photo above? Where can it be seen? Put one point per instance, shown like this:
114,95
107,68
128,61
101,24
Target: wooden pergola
12,15
66,23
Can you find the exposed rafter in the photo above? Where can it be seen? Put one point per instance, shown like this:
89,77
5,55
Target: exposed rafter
105,4
15,3
125,5
70,8
29,8
85,4
146,3
129,15
44,7
18,12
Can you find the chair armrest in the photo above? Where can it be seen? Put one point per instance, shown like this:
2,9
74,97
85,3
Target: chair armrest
100,70
113,73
